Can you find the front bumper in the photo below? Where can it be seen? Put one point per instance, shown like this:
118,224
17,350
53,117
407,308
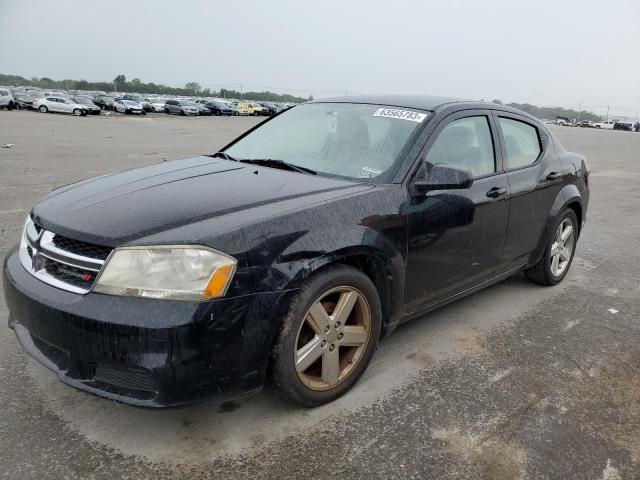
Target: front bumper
141,351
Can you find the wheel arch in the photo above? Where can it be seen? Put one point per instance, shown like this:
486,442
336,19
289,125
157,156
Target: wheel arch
568,198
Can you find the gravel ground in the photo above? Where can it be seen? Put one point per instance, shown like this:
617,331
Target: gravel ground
517,381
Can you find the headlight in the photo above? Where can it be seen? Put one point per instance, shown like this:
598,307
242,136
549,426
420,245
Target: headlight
168,272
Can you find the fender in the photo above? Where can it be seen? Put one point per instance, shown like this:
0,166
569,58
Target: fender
360,246
568,195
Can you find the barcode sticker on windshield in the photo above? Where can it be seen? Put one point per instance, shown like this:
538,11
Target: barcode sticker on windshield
401,114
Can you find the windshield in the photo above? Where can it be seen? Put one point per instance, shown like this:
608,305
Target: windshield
349,140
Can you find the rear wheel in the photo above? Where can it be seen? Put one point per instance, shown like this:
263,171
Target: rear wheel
557,258
328,336
43,108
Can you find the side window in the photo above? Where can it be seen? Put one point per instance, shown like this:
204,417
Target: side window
465,143
522,142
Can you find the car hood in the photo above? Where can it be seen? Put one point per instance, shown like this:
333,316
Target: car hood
120,208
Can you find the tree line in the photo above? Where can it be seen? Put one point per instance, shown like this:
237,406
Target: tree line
552,112
121,84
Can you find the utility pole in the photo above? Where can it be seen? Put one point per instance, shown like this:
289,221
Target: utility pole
608,113
241,92
579,112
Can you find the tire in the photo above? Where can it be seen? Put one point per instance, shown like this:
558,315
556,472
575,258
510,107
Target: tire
77,112
43,108
182,113
318,384
544,272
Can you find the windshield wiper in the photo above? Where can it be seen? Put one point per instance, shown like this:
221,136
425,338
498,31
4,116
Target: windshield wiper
224,155
274,163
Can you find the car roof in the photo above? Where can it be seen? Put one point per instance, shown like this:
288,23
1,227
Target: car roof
423,102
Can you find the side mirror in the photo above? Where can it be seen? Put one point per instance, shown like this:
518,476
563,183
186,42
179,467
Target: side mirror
445,177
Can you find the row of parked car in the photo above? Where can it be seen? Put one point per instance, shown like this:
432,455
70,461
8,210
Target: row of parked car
85,103
628,125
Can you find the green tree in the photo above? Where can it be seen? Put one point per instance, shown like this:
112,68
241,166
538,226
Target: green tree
193,87
120,82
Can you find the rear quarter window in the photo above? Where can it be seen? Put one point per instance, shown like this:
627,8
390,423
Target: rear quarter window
522,142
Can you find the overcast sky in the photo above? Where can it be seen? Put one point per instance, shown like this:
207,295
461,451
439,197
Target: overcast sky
549,52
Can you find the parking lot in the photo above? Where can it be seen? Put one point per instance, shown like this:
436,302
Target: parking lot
517,381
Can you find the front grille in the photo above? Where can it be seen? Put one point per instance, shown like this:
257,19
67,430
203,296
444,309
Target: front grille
81,248
63,262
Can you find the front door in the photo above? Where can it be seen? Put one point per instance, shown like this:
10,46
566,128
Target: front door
455,237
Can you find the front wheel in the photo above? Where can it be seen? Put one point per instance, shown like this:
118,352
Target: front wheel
43,108
328,336
557,258
77,112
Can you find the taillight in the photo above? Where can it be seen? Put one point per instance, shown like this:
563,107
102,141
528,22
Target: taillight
587,174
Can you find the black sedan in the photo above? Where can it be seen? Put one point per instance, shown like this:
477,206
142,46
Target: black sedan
219,108
105,102
290,253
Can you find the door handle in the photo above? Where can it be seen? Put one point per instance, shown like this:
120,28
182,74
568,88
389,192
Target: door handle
496,192
554,176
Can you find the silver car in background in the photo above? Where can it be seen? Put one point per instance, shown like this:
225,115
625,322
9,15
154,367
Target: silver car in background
91,107
180,107
60,105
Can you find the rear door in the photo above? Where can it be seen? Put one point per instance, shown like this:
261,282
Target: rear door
455,237
53,104
535,176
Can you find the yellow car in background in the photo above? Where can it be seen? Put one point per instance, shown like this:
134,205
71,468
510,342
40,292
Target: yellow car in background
250,108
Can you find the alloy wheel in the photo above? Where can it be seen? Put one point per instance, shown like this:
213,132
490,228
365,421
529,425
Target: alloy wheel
562,247
332,338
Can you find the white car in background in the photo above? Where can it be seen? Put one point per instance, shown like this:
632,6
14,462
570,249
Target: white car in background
605,125
128,106
59,104
6,99
158,104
